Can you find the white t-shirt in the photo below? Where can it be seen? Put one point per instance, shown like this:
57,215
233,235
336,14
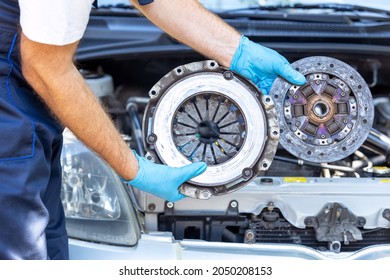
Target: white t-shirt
54,22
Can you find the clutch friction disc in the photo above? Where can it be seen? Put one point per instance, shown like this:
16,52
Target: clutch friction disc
330,116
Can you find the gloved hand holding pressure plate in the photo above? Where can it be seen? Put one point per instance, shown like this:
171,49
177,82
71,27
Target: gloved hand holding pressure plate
164,181
262,65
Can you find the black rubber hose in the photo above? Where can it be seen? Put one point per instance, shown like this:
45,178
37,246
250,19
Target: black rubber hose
132,110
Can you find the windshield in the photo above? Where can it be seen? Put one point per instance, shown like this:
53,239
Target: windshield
238,4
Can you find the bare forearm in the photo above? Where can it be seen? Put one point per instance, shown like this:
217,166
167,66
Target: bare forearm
189,22
65,92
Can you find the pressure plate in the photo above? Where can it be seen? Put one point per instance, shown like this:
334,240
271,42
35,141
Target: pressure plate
330,116
204,112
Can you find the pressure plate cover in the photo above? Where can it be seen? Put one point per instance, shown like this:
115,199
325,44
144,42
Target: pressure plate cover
204,112
329,117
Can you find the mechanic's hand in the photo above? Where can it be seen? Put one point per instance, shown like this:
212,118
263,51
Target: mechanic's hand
262,65
164,181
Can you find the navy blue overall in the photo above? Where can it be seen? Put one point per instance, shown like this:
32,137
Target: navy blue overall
32,223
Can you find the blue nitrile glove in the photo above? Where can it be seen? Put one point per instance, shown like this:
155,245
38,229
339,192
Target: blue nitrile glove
162,180
262,65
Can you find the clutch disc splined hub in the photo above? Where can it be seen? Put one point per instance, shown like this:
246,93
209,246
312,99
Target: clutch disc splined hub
204,112
330,116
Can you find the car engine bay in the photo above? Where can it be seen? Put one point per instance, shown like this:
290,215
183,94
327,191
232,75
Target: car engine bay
313,167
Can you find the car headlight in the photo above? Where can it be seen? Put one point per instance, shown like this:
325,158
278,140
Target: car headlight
96,204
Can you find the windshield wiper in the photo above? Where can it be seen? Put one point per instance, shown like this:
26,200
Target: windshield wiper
342,8
117,10
332,13
117,6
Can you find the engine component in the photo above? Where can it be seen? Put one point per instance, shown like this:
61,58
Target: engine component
378,143
336,224
269,227
330,116
203,112
101,84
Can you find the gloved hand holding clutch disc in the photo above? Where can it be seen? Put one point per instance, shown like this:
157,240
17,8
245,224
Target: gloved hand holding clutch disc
262,65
